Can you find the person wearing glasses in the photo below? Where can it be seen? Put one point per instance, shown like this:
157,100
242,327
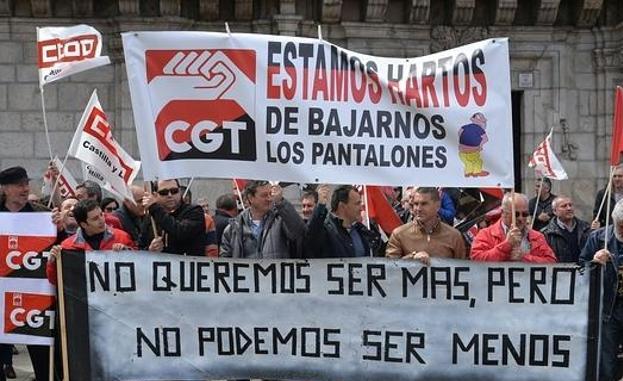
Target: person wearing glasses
180,226
269,228
502,242
109,205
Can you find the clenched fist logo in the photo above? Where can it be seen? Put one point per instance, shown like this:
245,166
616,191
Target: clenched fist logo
203,102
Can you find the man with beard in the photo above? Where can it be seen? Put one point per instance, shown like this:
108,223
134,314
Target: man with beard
566,234
502,241
426,235
612,296
181,226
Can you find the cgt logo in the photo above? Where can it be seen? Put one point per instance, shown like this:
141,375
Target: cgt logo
25,256
203,102
29,314
53,51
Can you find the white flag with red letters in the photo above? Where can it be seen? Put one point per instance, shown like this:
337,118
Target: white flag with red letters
544,160
67,184
63,51
94,144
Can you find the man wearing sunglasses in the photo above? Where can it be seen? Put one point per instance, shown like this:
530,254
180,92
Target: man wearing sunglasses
180,226
503,242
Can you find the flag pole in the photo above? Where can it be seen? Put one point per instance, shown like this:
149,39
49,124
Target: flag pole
45,123
513,217
366,206
608,195
188,187
536,205
58,177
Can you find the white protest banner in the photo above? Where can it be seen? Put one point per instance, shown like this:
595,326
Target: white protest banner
94,145
303,110
138,315
63,51
26,296
545,161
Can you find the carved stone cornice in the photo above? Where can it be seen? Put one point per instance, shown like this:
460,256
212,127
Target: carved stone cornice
608,59
170,7
505,12
375,10
462,11
243,10
419,11
287,7
547,12
589,12
287,25
129,7
448,37
41,8
331,11
208,10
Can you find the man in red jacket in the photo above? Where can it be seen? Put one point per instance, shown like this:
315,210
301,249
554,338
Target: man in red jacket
502,242
93,234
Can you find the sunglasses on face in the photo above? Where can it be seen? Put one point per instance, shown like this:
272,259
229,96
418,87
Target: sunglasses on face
110,208
166,192
519,214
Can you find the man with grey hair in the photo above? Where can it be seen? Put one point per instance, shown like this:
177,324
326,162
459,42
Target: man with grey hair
566,234
504,241
612,299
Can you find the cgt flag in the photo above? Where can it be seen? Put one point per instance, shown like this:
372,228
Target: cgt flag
94,145
63,51
545,161
26,296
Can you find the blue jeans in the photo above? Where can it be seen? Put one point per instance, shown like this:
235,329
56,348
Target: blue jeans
611,338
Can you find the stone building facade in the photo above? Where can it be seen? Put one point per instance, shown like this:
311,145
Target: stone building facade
566,59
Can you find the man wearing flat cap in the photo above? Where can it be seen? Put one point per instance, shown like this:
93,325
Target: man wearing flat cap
15,186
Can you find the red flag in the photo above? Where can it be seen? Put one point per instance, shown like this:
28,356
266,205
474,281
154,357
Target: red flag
617,129
380,210
495,192
239,184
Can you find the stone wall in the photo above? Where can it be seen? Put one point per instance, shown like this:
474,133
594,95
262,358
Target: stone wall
566,58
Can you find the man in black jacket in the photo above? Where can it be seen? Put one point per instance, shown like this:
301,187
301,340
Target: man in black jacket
226,209
339,233
566,234
180,226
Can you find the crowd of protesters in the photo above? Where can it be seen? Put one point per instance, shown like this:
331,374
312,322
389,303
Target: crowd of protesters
260,223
